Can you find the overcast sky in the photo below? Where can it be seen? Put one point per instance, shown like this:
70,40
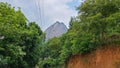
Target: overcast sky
47,12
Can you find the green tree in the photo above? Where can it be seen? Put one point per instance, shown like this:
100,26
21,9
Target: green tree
20,39
50,52
100,17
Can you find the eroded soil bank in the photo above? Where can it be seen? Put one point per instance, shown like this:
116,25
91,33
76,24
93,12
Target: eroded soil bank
103,57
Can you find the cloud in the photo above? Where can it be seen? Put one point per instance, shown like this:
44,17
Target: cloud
58,10
81,1
45,12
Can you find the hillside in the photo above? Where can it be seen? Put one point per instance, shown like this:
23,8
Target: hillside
97,24
103,57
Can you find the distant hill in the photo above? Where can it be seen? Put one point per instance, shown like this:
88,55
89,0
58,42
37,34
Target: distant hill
55,30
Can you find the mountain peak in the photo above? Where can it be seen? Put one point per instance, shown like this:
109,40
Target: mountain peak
55,30
58,23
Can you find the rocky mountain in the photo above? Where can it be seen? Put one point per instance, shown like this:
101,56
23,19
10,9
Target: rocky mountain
55,30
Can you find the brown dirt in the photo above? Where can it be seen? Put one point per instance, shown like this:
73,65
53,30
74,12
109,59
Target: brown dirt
105,57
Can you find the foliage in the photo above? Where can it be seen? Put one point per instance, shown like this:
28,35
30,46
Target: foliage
22,43
101,17
97,23
49,53
20,39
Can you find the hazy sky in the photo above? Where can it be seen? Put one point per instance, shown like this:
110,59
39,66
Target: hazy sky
47,12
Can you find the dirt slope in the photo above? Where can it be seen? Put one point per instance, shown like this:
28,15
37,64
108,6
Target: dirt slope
105,57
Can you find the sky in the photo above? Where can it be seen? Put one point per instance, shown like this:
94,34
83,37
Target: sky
47,12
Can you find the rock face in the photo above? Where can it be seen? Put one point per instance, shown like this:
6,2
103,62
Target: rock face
55,30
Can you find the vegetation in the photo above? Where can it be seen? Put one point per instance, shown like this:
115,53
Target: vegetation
22,44
20,39
97,23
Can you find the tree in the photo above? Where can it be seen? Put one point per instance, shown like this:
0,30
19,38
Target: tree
31,38
19,47
100,17
50,53
97,20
